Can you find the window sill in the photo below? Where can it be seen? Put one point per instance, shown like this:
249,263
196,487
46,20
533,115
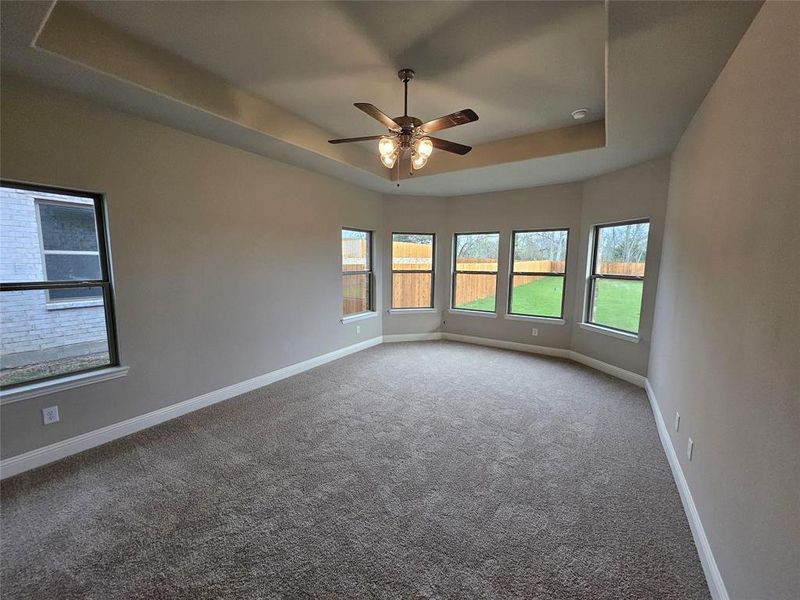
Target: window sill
475,313
412,311
75,304
359,316
531,319
628,337
33,390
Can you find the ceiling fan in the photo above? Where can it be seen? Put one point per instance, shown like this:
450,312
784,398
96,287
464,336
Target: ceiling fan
408,136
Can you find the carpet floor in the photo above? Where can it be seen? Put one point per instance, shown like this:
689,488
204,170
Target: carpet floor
412,470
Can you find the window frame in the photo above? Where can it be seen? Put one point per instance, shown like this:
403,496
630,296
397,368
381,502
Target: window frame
368,272
593,276
512,273
106,283
456,272
432,271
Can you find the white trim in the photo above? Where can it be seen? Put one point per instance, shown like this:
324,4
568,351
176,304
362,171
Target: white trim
475,313
469,339
608,368
47,454
532,319
599,365
359,316
42,388
412,311
716,584
411,337
628,337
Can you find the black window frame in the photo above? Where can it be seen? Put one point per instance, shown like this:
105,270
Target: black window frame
368,272
594,276
106,283
512,272
456,272
432,270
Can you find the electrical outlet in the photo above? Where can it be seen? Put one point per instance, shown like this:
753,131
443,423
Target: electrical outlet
534,331
677,421
50,415
358,328
689,449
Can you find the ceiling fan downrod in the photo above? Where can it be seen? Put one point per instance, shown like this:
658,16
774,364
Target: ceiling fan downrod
405,76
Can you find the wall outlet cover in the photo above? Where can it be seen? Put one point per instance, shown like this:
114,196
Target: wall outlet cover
50,415
677,421
358,328
689,449
534,331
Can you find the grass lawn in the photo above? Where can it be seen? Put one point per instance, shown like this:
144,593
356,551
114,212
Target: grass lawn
618,302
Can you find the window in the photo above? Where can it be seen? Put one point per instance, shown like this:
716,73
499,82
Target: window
619,253
475,271
412,270
356,271
538,268
56,299
68,232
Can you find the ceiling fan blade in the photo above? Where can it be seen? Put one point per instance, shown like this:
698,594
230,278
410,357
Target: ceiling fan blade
365,138
457,118
450,146
378,115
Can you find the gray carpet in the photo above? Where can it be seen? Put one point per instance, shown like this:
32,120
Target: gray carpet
417,470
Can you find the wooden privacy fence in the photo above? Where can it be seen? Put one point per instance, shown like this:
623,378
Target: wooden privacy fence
470,287
413,289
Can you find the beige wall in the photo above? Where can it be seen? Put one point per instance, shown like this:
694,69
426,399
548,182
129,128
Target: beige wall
725,350
226,264
536,208
408,214
638,192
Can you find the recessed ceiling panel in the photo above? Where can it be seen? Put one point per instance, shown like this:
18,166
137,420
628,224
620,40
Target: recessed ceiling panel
522,66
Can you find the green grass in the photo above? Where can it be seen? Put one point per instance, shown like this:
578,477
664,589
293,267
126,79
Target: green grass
618,302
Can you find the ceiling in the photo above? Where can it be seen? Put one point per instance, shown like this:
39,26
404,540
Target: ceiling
279,78
523,68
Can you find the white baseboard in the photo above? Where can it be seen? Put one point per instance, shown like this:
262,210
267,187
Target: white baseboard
411,337
624,374
605,367
481,341
716,584
47,454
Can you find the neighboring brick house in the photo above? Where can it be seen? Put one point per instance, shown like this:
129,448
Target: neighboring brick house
48,232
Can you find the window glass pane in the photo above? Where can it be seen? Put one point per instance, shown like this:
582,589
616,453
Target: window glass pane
67,267
540,251
622,249
475,291
617,303
68,227
355,291
537,295
355,250
411,290
477,251
412,252
51,348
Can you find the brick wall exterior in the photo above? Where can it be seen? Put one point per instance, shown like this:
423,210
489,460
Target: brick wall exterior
27,321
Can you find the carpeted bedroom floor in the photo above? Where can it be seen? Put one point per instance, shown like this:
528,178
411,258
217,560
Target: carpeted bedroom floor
414,470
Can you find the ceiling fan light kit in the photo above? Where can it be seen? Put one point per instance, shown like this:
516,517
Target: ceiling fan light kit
408,136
